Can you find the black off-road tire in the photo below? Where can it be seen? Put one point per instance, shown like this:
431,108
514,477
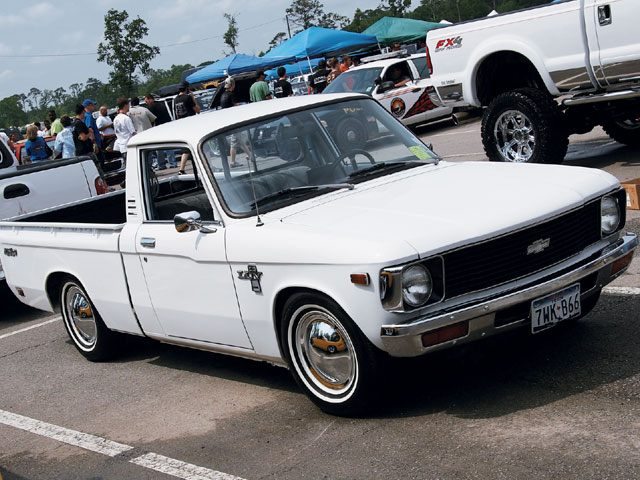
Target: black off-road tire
313,367
626,132
547,138
83,323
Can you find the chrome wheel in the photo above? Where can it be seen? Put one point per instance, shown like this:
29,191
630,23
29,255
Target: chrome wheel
79,318
323,352
514,136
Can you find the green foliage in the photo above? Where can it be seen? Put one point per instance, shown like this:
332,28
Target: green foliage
123,49
231,35
310,13
11,112
461,10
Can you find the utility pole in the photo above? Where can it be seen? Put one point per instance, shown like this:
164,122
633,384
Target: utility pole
288,27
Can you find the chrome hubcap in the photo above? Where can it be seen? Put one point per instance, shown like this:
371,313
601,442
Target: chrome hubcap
325,351
79,317
514,136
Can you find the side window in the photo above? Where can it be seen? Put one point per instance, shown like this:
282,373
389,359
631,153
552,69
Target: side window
421,66
167,196
403,72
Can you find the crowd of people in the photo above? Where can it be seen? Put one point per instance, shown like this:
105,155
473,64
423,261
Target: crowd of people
84,134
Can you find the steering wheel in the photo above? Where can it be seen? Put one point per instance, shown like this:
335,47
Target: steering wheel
353,152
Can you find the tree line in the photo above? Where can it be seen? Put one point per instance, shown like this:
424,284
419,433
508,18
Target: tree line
124,50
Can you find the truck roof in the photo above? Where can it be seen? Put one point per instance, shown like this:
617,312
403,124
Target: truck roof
193,129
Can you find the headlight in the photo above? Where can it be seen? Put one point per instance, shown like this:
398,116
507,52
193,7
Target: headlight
609,215
416,285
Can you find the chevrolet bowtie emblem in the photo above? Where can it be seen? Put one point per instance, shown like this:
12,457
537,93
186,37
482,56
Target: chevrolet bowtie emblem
538,246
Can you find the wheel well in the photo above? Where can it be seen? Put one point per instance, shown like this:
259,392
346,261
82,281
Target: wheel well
495,75
53,286
278,309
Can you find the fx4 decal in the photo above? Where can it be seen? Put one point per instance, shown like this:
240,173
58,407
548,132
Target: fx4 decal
448,44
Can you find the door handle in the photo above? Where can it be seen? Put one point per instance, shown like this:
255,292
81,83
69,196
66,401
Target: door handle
16,190
604,15
147,242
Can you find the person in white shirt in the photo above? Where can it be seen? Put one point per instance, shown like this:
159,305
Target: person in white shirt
105,125
4,138
123,127
142,118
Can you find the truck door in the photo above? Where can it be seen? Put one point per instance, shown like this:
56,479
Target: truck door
187,275
400,100
615,23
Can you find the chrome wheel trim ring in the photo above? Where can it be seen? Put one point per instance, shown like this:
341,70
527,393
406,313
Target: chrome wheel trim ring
79,318
331,376
514,136
629,124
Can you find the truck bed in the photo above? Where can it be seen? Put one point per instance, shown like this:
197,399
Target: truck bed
105,209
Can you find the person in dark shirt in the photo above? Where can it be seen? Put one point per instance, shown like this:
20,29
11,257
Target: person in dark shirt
184,105
319,79
162,116
283,87
81,135
158,109
236,140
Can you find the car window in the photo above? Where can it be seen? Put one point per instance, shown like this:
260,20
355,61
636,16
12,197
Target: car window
405,72
292,156
168,196
360,81
421,66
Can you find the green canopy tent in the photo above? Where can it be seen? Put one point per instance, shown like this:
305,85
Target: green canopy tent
391,29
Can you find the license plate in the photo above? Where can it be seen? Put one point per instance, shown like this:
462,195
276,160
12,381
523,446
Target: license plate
555,307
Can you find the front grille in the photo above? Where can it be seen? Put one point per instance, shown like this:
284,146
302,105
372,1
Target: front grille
505,258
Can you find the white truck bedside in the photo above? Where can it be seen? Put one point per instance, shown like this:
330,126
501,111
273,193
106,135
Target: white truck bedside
317,255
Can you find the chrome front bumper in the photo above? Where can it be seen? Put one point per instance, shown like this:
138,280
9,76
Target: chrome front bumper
405,340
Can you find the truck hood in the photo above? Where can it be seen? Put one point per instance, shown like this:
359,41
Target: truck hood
434,208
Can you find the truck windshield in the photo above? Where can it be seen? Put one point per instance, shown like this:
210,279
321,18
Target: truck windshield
296,155
360,81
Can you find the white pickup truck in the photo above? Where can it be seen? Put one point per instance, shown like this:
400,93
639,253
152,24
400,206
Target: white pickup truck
316,256
27,188
543,73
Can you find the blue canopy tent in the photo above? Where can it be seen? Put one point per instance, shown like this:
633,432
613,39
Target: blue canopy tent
237,63
319,42
391,29
294,69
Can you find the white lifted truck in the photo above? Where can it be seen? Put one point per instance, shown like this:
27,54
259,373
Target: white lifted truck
542,74
319,257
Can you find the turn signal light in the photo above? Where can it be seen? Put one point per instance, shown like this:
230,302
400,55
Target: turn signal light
360,278
445,334
621,263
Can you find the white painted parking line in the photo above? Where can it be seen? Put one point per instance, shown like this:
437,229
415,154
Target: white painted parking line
93,443
179,469
26,329
621,290
78,439
457,132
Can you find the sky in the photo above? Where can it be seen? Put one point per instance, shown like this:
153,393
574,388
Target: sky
43,33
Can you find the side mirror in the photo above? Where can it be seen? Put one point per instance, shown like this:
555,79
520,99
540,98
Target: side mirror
378,80
190,221
384,86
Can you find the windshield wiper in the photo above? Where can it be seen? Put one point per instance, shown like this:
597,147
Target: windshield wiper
292,191
385,166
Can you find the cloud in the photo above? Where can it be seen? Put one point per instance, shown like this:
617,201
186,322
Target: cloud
12,20
44,9
6,74
5,50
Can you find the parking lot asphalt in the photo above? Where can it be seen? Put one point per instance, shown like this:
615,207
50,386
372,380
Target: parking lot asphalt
561,404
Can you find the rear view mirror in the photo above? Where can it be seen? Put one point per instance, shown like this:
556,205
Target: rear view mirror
384,86
190,221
